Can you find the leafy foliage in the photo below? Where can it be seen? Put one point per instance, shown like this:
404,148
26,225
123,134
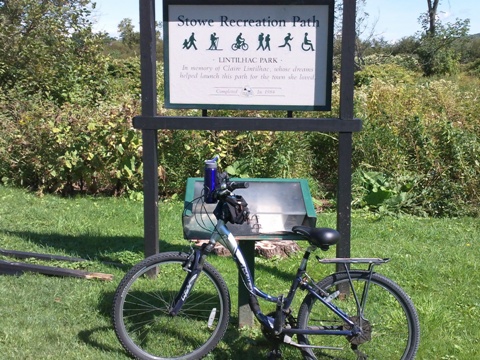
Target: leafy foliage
49,47
68,97
387,196
243,154
435,53
428,128
71,148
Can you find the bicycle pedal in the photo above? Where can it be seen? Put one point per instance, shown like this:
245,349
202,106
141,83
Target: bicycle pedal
211,318
279,318
274,354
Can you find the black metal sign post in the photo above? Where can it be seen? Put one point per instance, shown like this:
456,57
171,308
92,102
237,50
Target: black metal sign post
149,122
149,136
344,194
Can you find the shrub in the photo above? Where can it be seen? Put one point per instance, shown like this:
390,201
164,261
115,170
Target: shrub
429,128
474,68
71,148
389,72
417,153
243,154
387,195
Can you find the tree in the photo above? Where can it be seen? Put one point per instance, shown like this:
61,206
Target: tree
128,34
129,44
432,16
48,46
435,51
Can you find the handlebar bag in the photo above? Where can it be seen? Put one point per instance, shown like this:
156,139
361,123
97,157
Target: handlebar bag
237,209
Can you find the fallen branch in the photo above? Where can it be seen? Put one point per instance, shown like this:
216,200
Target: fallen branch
8,267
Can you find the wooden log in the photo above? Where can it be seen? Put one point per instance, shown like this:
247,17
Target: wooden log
27,255
9,267
268,249
282,248
219,249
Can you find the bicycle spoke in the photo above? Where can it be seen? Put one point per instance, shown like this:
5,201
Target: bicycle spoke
389,323
142,315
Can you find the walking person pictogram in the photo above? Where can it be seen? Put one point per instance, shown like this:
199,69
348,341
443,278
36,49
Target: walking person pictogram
213,42
187,44
267,42
260,41
192,40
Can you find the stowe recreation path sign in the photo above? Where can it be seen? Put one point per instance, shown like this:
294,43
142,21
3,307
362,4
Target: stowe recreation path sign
253,55
224,55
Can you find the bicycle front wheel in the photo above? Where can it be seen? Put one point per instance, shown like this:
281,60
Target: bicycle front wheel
385,313
141,310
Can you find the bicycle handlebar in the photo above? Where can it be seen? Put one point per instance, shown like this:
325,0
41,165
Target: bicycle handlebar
233,185
227,187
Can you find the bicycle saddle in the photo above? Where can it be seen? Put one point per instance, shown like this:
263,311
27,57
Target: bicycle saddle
320,237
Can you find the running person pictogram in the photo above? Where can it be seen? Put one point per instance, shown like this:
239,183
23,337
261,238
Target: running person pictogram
287,39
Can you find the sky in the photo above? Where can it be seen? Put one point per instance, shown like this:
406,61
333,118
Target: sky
390,19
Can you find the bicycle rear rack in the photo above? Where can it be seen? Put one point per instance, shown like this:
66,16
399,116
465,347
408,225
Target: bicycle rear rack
374,261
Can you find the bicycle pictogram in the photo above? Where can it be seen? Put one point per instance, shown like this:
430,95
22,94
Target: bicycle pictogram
240,43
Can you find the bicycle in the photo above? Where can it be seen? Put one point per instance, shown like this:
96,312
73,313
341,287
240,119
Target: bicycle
183,312
242,45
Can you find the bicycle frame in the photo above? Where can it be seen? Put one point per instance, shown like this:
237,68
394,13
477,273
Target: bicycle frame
350,304
223,236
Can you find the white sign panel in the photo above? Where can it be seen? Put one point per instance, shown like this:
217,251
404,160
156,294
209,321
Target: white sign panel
248,56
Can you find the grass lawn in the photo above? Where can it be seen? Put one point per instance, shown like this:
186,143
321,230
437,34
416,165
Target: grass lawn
46,317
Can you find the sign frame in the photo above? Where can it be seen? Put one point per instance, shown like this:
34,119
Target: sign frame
265,79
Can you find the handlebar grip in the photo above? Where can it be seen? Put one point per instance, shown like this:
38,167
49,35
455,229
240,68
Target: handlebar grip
232,185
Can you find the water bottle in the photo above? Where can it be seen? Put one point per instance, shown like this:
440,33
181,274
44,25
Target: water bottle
209,180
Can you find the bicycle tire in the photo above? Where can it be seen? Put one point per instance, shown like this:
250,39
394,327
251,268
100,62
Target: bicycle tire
244,46
235,47
390,314
141,310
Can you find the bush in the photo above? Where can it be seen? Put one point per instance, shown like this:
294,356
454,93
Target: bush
417,153
429,128
474,68
71,148
243,154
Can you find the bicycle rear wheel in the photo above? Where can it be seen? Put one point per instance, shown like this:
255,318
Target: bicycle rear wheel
390,324
141,310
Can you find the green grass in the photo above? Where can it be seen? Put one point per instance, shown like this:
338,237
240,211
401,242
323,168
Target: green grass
43,317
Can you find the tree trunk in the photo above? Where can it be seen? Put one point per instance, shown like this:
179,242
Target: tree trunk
432,15
267,249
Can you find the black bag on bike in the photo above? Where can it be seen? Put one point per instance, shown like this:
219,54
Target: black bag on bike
238,208
234,210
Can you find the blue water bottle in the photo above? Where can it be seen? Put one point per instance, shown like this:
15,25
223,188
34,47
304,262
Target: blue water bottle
209,180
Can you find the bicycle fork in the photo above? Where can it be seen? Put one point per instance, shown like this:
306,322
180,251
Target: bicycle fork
193,266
